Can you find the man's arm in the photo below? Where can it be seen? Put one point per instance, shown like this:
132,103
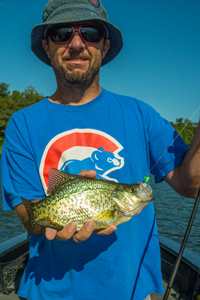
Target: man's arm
185,179
68,231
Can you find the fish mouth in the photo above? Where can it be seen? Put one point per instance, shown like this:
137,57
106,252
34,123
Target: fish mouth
145,192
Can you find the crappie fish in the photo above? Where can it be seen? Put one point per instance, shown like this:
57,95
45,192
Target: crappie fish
74,198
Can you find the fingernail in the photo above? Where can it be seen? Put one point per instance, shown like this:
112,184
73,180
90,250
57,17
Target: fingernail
72,227
90,226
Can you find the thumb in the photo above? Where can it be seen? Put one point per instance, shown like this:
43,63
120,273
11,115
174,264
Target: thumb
88,174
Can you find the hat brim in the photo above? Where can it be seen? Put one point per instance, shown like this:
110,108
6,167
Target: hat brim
37,34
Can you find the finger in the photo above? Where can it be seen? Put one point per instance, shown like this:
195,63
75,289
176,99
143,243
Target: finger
67,232
85,232
36,200
88,174
106,231
50,233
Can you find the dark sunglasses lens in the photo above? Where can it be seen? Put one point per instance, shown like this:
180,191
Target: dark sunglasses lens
91,34
60,34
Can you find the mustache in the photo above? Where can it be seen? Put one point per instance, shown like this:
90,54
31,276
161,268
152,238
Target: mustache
75,54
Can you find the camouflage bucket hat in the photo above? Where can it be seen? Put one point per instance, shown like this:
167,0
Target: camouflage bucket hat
69,11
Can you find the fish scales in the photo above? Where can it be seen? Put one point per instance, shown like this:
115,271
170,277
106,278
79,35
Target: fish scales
79,207
78,199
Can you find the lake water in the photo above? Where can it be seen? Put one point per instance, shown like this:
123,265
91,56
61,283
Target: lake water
172,213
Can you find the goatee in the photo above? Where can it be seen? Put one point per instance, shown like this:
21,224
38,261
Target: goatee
77,78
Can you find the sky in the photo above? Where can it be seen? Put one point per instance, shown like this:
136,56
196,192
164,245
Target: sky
159,63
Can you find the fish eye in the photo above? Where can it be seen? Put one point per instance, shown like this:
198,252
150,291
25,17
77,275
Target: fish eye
133,190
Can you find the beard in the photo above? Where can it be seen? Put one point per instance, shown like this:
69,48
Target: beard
77,78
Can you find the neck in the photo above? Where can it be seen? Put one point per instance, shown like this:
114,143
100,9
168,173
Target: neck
75,94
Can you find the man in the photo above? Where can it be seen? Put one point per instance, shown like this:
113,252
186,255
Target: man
82,126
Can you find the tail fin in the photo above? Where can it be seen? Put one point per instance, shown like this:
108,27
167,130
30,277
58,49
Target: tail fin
30,212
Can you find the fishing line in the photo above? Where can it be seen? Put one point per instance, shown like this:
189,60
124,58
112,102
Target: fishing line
172,142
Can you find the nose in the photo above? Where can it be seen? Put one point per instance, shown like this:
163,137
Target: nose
76,41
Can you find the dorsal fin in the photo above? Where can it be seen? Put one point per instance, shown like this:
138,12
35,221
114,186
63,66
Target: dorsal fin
56,178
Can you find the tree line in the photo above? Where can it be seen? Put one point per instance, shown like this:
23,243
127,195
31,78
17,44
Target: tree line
186,129
12,101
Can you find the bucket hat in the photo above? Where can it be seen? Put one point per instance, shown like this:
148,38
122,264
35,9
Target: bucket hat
69,11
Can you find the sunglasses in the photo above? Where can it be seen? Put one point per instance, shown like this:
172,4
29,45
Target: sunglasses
61,34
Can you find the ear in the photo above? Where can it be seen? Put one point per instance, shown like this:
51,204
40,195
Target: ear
45,45
106,47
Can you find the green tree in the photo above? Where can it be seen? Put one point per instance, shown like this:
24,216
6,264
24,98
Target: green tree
16,96
11,102
4,118
186,128
4,92
30,96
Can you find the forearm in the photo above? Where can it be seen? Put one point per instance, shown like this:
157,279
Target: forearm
22,214
185,179
189,171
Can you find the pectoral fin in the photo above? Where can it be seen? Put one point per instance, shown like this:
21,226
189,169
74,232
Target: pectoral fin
105,215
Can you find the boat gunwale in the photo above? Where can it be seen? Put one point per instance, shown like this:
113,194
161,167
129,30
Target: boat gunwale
190,258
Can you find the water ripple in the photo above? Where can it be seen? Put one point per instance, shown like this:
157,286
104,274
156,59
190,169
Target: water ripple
173,214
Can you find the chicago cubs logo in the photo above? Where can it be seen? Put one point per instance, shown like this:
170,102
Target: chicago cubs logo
78,149
94,2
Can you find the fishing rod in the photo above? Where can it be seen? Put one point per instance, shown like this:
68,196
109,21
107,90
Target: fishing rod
178,260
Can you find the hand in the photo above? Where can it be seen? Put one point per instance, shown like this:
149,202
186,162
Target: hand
69,230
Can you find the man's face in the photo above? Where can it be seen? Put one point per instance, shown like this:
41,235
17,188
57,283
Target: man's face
76,62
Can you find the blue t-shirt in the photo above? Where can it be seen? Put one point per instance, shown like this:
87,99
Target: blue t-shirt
121,138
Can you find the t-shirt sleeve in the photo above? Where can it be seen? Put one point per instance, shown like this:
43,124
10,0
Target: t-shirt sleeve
167,149
20,175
